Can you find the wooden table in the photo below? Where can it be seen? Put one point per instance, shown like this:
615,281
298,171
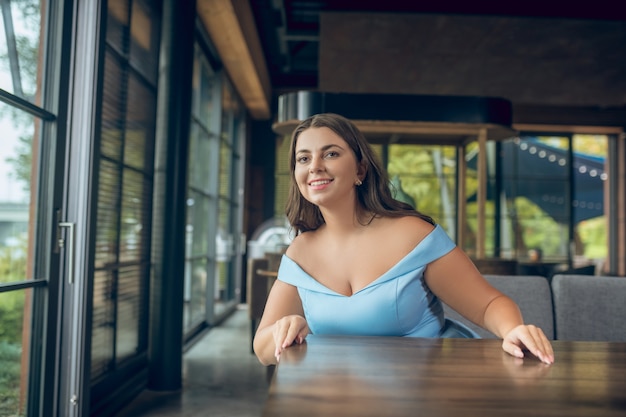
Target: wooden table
388,376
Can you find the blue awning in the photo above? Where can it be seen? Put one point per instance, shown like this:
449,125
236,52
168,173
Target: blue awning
540,172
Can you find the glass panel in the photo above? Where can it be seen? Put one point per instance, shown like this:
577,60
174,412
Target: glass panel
196,293
590,213
17,151
129,311
282,179
228,108
196,253
200,171
112,109
140,121
536,178
135,212
144,31
107,232
14,343
103,323
223,231
224,252
203,185
198,206
205,91
424,177
470,225
222,271
20,40
117,25
125,185
224,279
225,169
226,141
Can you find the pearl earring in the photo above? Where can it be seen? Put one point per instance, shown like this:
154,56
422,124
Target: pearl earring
358,182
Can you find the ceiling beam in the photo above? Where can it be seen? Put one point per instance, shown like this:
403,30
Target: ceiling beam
230,25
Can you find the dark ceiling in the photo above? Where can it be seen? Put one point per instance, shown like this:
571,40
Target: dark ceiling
289,29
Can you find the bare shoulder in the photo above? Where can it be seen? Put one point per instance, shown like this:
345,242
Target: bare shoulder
414,228
301,244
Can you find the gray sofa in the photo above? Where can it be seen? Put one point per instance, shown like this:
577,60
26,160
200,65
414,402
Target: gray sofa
568,307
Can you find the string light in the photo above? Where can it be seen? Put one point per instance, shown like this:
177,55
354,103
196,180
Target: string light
582,168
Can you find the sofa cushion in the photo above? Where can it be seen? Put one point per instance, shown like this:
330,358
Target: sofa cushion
588,307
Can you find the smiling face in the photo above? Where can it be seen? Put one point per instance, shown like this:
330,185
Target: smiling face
326,168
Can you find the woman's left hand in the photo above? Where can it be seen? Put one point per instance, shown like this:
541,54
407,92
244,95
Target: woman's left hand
531,338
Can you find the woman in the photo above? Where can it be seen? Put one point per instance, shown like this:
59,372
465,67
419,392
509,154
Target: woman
363,263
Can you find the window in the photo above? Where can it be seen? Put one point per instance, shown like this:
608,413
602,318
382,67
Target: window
555,188
25,153
124,195
214,209
546,194
426,174
201,194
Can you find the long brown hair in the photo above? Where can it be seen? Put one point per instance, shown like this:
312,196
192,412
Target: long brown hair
374,195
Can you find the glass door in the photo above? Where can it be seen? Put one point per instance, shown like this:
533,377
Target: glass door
24,283
33,243
60,355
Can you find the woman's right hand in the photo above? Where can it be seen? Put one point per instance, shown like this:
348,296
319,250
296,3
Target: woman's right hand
287,331
282,323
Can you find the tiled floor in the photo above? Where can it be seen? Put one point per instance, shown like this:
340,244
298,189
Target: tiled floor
221,377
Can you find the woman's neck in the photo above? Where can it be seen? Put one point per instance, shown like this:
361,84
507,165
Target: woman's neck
346,221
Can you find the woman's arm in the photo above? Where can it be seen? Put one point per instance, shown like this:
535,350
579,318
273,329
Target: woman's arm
456,281
282,324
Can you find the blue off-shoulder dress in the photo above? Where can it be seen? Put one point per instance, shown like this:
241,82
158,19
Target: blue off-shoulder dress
398,303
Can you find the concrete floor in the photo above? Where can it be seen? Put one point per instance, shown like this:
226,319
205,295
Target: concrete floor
221,377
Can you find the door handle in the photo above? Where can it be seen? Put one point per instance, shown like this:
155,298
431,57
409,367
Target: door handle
70,249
